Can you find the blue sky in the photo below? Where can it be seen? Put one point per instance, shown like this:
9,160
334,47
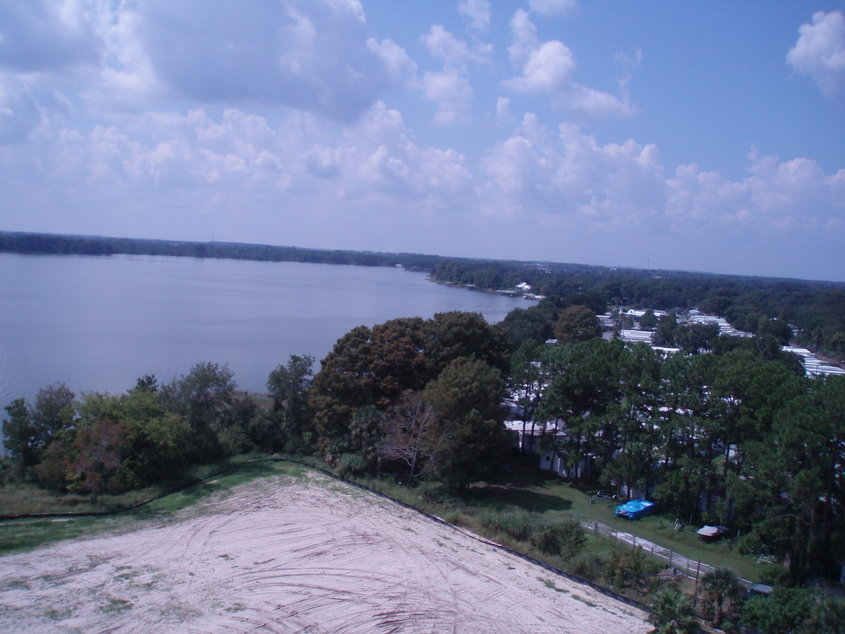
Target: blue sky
695,136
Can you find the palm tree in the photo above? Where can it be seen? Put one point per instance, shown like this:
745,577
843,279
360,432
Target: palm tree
672,613
721,589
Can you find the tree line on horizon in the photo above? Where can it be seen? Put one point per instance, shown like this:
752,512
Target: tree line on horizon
815,309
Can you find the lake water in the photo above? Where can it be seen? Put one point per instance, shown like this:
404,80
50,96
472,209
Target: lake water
98,323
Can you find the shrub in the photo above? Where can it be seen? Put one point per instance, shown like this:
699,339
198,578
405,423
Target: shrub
565,538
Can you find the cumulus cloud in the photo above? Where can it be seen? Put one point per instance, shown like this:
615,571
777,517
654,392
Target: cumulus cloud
551,7
447,48
450,88
820,52
452,93
538,172
478,12
310,54
524,37
548,68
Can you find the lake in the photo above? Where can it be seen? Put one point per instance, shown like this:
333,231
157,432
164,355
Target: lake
98,323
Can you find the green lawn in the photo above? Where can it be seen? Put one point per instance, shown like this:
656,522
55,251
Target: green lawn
549,495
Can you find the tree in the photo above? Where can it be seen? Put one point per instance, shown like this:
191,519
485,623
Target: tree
453,335
525,385
19,434
29,430
664,335
288,385
722,591
408,427
672,613
577,323
344,384
205,397
696,338
648,321
522,325
469,439
797,482
792,610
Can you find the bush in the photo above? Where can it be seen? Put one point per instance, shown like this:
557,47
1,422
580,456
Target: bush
351,464
587,566
629,566
566,538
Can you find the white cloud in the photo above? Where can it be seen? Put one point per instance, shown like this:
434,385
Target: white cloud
820,52
445,47
589,103
551,7
524,37
478,11
400,67
503,108
451,92
312,55
537,174
547,70
450,88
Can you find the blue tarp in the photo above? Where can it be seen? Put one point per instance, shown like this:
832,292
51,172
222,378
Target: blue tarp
634,509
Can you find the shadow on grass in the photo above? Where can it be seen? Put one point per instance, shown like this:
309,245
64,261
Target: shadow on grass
498,497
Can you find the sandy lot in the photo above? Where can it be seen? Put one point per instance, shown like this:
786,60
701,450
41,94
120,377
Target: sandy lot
281,555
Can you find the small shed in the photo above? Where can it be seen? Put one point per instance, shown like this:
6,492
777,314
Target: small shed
634,509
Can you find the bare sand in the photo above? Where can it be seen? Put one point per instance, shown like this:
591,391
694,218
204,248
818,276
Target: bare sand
295,555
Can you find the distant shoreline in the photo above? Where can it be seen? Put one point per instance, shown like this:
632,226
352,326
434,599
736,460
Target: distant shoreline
61,244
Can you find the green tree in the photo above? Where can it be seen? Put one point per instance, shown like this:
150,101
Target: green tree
205,397
469,440
577,323
664,334
722,591
525,384
786,610
648,321
796,480
672,613
30,429
453,335
285,427
344,384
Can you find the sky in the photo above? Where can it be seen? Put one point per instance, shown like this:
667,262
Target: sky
703,136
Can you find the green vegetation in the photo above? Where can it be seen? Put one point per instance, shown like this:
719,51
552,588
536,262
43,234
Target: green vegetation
24,534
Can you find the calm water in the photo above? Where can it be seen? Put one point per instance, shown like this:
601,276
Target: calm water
98,323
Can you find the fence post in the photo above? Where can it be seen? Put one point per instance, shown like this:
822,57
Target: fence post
695,598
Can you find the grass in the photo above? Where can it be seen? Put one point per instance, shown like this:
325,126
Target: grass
26,534
491,508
